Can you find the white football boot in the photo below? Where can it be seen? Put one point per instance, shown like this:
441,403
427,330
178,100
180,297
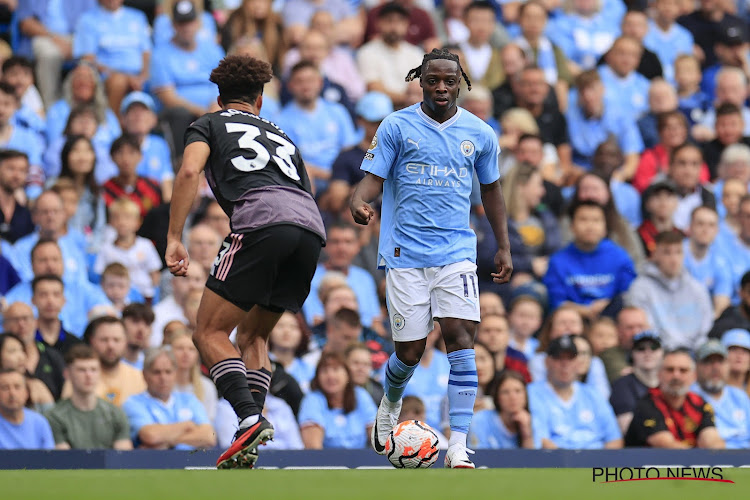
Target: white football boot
457,458
385,420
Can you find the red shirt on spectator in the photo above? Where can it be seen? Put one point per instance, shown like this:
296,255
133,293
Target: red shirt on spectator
655,161
146,193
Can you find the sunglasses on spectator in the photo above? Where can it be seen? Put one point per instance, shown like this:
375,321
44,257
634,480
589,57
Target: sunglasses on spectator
643,346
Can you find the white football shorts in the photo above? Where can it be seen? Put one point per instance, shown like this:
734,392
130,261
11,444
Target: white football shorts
416,296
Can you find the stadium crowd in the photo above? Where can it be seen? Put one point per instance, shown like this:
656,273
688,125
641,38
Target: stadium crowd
625,135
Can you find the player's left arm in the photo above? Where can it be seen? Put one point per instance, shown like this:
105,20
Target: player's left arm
185,188
494,207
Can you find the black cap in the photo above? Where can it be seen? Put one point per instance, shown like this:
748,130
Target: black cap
560,345
393,8
647,335
732,31
184,11
662,185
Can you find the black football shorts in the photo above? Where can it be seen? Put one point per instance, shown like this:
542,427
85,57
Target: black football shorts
271,267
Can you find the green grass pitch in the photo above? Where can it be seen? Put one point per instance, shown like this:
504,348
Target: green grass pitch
502,484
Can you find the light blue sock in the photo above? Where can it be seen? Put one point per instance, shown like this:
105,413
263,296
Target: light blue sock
462,389
397,375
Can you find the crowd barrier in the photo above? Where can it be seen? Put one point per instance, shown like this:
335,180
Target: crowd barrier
351,459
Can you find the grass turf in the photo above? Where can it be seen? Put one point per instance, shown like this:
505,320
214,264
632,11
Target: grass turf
575,484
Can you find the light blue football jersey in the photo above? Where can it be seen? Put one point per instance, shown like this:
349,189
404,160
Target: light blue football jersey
428,168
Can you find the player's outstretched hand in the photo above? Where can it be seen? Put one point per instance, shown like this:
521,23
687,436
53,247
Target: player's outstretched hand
177,258
504,266
362,212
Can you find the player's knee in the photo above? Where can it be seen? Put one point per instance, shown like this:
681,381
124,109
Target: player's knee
410,355
460,335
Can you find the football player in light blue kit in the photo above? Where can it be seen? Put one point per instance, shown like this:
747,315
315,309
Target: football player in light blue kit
423,158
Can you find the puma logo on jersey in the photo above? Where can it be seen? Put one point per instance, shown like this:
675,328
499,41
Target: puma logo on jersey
412,141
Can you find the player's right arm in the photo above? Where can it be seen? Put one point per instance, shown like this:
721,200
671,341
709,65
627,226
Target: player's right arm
185,188
366,191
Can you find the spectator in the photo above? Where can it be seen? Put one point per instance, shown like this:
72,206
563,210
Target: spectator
662,98
180,71
115,284
48,298
106,335
19,72
592,272
287,345
694,103
482,61
421,30
20,428
525,318
737,342
729,131
336,414
594,122
735,317
647,355
117,41
342,246
630,321
732,191
493,332
44,363
78,164
189,376
667,38
509,424
514,123
635,25
80,295
172,307
734,164
163,418
534,230
360,366
13,357
659,204
731,405
384,61
13,136
297,15
490,303
255,19
602,335
48,28
85,421
164,31
670,416
138,112
570,414
479,103
626,90
486,372
136,253
82,86
677,305
607,159
413,408
704,260
137,319
345,172
214,217
731,88
736,246
731,49
15,217
705,23
126,153
530,149
203,243
450,28
585,356
684,172
319,145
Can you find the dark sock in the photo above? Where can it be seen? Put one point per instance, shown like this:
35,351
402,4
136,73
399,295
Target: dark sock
259,381
231,383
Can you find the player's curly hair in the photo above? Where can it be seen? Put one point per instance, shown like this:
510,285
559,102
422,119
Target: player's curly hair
437,54
241,78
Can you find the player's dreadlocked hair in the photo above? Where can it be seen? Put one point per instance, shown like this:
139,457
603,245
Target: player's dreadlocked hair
437,54
241,78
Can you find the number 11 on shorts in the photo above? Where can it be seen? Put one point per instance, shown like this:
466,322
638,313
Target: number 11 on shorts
466,285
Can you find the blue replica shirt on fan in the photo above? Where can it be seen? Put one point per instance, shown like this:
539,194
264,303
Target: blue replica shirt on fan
629,94
164,30
143,409
34,433
341,430
187,72
116,39
157,160
732,411
714,271
428,169
584,422
489,432
583,277
668,45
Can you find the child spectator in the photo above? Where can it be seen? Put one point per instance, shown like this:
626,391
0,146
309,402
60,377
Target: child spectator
677,305
592,272
693,101
659,205
134,252
525,318
115,282
138,120
602,335
126,153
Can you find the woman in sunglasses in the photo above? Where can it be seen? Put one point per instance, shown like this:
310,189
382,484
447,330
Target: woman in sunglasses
646,357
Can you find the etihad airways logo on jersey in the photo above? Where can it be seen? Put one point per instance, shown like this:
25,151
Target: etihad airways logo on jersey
433,175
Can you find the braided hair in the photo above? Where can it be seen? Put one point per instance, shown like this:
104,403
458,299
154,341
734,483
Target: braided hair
437,54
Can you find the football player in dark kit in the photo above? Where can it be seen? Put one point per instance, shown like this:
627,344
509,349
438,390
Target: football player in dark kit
266,263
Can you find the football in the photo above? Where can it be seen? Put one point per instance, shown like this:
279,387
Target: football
412,445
